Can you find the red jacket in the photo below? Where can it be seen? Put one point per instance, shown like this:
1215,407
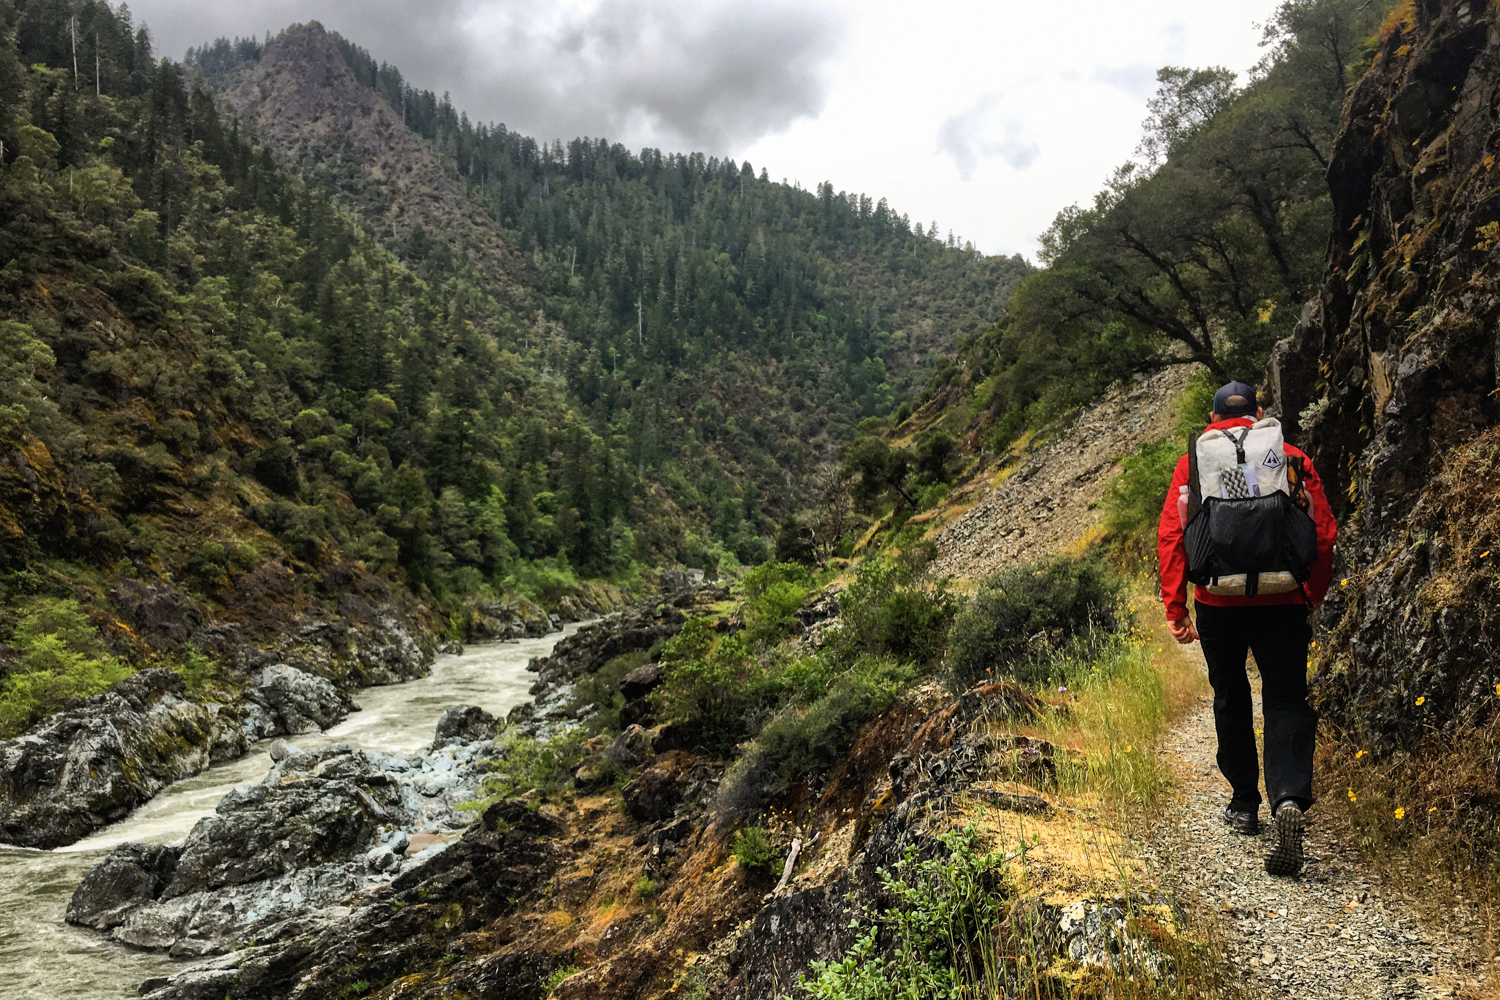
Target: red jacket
1172,551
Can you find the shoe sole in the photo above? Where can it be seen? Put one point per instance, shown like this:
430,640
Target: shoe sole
1285,856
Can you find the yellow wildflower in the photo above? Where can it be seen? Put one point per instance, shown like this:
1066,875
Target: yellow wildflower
1360,754
1400,812
1421,699
1433,809
1344,582
1352,796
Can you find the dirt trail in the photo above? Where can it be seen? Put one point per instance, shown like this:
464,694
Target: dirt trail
1332,933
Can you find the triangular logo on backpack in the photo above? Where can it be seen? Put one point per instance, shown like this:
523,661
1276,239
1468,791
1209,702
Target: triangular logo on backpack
1272,460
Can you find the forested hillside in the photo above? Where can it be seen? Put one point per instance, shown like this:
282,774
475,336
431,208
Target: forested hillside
728,330
225,352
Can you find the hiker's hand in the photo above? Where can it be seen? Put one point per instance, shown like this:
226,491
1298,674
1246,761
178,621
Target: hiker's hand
1183,631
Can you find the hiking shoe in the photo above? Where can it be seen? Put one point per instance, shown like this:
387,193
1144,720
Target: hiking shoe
1285,856
1242,820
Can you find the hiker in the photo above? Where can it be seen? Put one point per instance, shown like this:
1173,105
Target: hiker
1246,521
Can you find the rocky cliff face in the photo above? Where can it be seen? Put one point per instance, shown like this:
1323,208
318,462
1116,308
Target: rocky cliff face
1391,379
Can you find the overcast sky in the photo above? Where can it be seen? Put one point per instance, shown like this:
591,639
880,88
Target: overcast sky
986,117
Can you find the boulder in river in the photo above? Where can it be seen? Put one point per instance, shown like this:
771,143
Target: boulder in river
466,723
309,808
283,855
132,875
302,702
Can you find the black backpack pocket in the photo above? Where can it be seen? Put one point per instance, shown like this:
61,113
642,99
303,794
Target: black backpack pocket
1250,535
1301,537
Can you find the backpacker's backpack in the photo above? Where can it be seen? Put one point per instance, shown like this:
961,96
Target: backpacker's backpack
1249,530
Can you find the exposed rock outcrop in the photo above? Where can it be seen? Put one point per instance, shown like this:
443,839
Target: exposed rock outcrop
89,765
1391,378
93,762
299,702
285,855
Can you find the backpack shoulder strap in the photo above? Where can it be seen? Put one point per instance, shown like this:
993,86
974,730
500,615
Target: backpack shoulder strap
1195,494
1239,445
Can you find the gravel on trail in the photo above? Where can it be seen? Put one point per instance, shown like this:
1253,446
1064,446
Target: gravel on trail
1333,932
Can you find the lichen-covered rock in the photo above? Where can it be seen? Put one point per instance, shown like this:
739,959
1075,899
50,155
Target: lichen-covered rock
132,875
89,765
1390,379
301,702
410,924
281,856
310,808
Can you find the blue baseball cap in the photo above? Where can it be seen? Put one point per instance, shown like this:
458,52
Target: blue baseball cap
1236,400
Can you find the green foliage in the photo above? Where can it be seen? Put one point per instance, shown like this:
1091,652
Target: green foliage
752,848
1203,252
522,763
377,396
1194,405
1133,504
553,981
794,542
61,657
890,611
198,670
941,925
799,742
1023,616
644,888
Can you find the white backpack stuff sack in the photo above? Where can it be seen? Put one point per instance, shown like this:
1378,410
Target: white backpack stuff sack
1244,534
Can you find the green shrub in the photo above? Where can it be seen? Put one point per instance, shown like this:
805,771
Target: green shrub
1133,504
555,980
545,581
61,657
645,888
1193,406
1024,616
198,671
942,928
800,742
709,683
752,848
888,612
522,763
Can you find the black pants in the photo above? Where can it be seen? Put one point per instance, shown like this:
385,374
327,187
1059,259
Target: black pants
1279,635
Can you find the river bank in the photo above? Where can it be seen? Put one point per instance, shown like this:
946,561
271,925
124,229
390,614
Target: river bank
45,958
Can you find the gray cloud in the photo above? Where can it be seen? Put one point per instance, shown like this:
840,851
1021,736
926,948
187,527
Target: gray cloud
975,135
1139,80
703,74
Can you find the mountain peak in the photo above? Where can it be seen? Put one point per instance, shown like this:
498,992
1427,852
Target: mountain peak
305,101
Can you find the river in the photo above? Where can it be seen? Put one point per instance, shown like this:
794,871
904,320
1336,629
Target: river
42,958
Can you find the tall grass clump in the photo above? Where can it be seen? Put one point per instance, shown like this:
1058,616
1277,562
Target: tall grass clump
62,657
1027,622
1425,818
